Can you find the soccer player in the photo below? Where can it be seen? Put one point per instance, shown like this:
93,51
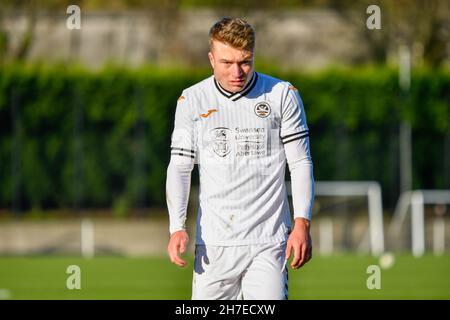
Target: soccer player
241,127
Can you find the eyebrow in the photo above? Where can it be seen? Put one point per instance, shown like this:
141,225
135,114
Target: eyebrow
241,61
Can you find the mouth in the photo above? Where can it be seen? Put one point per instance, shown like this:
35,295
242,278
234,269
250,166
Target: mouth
237,82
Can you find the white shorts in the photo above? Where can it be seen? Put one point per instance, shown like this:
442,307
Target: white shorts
250,272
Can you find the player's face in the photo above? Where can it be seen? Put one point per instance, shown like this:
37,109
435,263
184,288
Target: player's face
233,67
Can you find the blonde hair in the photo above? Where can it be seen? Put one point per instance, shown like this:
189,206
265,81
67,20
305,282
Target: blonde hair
234,31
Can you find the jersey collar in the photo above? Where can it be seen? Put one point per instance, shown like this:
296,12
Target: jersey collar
237,95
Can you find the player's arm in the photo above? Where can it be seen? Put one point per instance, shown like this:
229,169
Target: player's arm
177,196
295,138
179,180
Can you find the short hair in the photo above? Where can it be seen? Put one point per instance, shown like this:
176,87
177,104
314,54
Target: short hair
234,31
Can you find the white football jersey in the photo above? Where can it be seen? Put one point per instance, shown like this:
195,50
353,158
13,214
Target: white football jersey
237,140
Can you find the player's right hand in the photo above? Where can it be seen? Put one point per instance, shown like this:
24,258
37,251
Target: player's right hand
177,245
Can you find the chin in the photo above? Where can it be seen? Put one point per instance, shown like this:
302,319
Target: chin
236,88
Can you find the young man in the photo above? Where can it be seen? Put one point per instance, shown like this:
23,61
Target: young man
241,127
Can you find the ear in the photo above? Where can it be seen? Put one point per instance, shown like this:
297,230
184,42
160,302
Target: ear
211,59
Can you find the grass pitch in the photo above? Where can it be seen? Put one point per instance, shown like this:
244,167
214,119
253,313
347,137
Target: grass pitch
336,277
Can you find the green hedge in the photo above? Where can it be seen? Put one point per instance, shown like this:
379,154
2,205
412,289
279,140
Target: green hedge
71,137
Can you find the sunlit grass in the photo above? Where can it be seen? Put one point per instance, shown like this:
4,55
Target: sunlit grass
335,277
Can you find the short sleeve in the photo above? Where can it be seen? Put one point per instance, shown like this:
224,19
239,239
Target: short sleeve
183,145
293,118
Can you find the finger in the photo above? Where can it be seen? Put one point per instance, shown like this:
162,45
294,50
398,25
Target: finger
176,259
288,250
309,253
303,256
173,250
177,246
183,245
294,263
172,255
179,261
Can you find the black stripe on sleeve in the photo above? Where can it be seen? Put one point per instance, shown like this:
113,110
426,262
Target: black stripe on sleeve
184,150
183,154
294,134
296,138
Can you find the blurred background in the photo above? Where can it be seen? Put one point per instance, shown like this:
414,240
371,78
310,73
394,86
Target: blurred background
87,102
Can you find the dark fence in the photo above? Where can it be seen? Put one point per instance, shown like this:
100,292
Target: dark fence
71,138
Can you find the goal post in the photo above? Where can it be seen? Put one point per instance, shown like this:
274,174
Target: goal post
87,238
369,189
416,201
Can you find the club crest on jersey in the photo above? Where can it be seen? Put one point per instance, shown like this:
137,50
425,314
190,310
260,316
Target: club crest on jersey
220,138
262,109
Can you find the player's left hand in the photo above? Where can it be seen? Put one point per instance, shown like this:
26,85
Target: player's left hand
177,245
299,241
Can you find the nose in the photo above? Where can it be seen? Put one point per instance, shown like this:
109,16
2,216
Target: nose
236,71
